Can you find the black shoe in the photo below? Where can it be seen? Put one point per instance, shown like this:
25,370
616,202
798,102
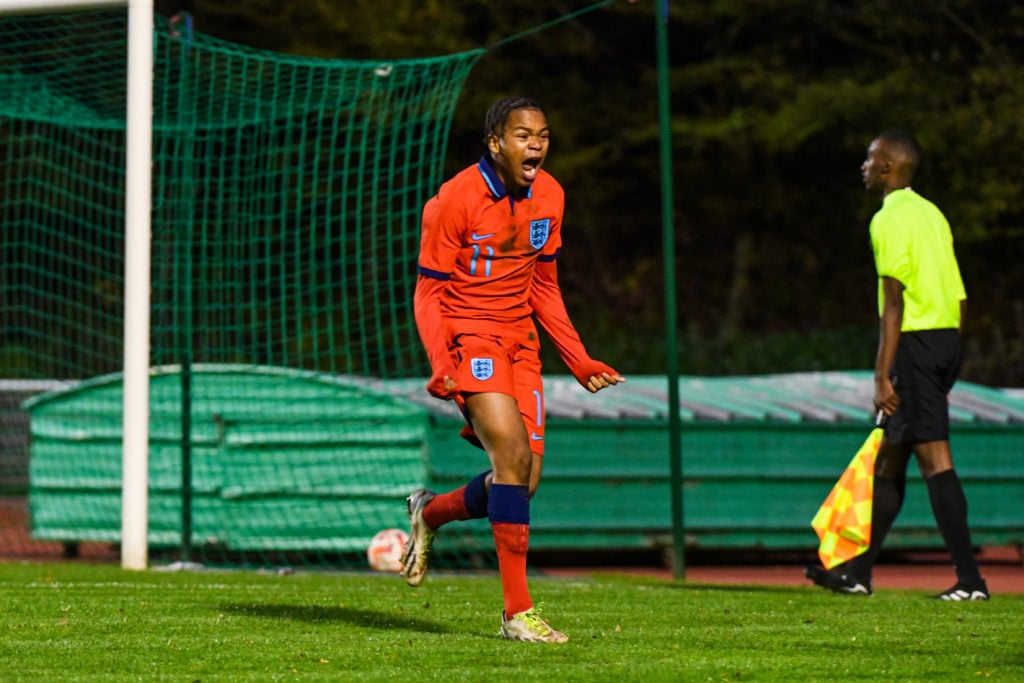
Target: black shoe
961,592
837,581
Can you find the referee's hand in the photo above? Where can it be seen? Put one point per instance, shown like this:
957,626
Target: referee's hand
886,398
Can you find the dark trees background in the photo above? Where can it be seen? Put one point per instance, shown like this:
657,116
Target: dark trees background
773,105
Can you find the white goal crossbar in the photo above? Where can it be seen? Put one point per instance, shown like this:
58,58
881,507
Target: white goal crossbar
138,237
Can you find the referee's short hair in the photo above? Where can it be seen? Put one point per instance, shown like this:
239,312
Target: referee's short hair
906,143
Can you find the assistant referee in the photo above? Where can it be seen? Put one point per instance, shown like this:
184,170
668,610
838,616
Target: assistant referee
921,302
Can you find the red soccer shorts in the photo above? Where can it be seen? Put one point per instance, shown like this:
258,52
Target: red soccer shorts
494,364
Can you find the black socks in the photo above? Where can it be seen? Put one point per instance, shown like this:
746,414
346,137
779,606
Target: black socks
949,505
886,502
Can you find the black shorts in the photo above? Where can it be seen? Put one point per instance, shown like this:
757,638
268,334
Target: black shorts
926,366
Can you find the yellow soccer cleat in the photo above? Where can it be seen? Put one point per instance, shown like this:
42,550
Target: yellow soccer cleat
529,627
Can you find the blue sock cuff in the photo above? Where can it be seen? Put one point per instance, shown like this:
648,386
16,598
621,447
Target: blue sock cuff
475,496
509,504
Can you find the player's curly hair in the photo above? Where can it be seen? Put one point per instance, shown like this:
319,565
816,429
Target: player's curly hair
498,113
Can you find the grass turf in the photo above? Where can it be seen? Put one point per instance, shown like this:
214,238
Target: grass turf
86,622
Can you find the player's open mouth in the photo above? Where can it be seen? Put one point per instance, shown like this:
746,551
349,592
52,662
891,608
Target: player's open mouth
530,167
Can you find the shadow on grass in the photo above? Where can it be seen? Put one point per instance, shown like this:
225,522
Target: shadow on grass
315,614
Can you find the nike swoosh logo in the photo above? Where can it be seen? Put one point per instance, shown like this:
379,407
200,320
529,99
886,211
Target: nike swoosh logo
476,238
534,437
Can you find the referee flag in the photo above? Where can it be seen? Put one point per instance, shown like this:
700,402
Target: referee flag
843,522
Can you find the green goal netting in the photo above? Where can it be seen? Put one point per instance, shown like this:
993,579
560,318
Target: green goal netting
285,226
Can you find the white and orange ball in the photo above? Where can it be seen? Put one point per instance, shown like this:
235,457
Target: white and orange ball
385,551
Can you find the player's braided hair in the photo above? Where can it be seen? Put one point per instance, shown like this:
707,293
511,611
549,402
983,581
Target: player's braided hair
497,114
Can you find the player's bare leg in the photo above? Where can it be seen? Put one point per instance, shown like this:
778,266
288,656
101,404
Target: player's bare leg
498,423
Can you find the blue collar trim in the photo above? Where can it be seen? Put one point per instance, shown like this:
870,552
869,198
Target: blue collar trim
494,184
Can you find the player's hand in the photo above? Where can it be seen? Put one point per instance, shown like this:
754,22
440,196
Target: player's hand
441,385
595,376
597,382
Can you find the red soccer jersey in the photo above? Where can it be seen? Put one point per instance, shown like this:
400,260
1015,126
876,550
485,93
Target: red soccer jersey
485,245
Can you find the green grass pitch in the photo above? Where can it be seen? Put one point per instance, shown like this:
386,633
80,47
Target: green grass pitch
85,622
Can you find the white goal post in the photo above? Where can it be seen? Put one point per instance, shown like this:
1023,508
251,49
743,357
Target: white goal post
138,236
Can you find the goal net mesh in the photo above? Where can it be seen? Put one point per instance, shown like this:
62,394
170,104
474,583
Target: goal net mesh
285,227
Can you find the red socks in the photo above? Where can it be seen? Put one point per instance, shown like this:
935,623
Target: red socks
446,507
511,537
511,541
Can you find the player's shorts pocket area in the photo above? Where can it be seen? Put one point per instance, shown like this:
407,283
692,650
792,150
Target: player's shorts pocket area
484,363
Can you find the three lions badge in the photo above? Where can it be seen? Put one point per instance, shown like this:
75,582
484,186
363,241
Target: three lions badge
482,368
539,231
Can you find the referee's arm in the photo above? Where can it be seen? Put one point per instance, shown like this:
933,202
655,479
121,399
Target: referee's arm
889,327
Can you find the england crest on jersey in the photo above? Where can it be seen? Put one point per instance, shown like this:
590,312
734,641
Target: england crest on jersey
539,231
482,368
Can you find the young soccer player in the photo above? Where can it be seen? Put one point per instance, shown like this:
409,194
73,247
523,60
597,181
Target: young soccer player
490,239
921,302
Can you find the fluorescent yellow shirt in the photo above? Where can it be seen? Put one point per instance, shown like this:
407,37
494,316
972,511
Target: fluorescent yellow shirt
912,243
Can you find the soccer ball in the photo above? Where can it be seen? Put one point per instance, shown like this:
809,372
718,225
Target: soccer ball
385,551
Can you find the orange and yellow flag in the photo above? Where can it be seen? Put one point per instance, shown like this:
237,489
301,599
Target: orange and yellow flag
843,522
